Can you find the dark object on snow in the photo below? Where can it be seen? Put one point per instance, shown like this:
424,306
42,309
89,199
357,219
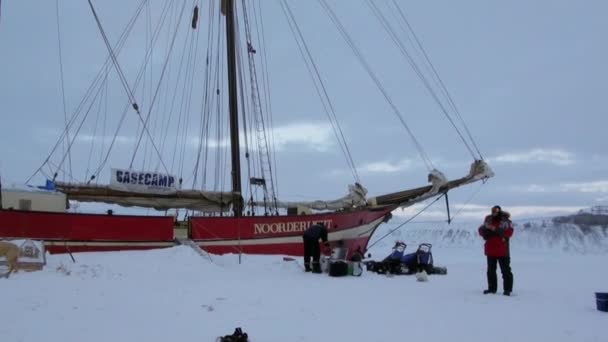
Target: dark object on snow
601,301
357,255
439,270
505,269
237,336
338,268
311,246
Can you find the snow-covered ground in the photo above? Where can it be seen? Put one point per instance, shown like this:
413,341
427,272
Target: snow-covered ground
175,295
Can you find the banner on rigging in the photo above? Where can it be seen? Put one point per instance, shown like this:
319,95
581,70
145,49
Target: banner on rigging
142,182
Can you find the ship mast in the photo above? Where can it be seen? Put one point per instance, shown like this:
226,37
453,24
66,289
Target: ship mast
237,204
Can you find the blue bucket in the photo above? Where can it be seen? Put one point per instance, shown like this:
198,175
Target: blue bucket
601,300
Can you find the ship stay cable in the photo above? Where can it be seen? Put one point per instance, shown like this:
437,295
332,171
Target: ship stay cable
376,81
71,142
174,97
181,67
145,122
60,55
91,89
186,99
105,114
405,222
90,154
442,84
261,42
391,32
147,59
247,121
121,75
194,47
320,87
168,99
205,99
259,24
256,103
246,137
147,39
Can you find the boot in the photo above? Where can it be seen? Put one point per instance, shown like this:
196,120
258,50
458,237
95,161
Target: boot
316,267
489,291
307,267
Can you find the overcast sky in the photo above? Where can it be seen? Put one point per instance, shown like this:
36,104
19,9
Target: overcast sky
528,77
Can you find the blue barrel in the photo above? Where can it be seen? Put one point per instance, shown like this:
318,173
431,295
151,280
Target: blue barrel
601,300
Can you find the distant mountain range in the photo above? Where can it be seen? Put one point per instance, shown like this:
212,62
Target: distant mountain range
582,233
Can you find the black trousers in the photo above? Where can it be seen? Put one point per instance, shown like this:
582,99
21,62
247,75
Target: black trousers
505,269
312,250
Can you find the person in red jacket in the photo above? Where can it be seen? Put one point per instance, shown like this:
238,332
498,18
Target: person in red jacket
496,231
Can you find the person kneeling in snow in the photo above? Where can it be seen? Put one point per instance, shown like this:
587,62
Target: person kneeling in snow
311,246
496,231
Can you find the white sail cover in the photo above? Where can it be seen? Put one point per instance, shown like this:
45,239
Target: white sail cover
355,198
206,201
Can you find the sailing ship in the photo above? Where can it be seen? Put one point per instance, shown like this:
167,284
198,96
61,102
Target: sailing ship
251,220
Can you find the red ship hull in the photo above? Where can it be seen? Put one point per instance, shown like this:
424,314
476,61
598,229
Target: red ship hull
283,234
70,232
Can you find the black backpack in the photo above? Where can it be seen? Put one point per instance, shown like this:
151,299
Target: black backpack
237,336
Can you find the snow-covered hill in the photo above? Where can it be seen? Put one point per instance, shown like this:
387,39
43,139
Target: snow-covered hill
549,234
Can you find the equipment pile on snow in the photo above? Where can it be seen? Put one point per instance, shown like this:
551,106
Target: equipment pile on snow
400,263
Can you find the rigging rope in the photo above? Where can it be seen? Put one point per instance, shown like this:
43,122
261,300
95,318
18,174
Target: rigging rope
442,84
99,106
377,82
187,97
256,102
259,24
250,160
425,208
139,77
320,88
65,114
148,28
404,223
91,89
206,102
391,32
121,75
145,122
183,92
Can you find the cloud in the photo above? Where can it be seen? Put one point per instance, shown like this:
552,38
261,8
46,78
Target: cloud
476,212
537,155
87,138
386,166
535,188
597,186
600,186
316,136
311,135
